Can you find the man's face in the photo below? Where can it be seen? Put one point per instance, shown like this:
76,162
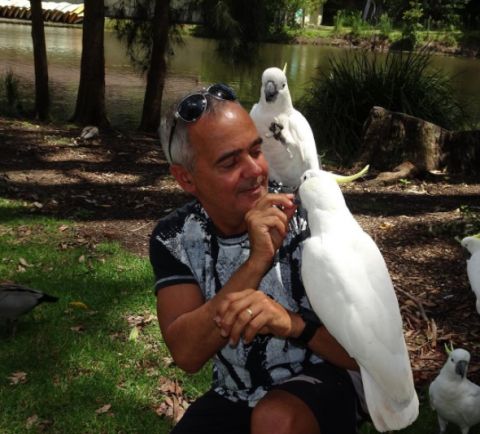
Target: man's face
230,172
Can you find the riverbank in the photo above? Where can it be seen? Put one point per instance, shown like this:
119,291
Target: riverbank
451,43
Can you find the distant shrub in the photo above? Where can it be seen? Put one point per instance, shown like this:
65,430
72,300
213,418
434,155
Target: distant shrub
385,25
337,102
10,94
338,21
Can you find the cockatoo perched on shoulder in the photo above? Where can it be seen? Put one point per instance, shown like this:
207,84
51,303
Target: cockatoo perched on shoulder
288,142
349,287
472,244
455,398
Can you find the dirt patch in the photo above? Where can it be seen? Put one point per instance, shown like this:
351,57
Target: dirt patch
117,186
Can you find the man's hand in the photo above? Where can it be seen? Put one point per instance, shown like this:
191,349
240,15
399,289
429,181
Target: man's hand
267,226
250,312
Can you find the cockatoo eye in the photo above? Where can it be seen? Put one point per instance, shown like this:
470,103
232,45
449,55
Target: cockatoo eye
283,85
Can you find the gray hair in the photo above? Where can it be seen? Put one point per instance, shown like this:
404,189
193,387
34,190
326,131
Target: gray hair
181,149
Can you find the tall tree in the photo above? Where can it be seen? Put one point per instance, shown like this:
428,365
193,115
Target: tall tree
90,107
42,97
157,70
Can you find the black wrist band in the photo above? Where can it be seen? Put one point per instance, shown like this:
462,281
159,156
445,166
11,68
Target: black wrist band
307,333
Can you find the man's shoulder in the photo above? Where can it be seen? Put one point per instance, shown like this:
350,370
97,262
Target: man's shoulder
174,223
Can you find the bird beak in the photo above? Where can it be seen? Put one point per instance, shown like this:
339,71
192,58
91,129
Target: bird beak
466,254
271,91
461,368
345,179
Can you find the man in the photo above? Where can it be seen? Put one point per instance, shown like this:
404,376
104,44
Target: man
229,289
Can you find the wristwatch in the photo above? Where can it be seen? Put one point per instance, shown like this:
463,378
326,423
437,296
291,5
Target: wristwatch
312,323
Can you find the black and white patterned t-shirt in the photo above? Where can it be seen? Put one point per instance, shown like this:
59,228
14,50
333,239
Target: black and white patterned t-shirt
184,248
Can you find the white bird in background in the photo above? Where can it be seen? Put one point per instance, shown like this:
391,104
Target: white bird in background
472,244
455,398
349,287
288,142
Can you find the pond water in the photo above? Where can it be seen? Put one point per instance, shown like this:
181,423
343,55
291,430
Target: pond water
193,63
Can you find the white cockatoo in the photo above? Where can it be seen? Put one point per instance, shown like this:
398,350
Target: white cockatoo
288,142
472,244
455,398
349,287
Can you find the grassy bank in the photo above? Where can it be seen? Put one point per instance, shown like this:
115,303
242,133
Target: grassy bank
94,361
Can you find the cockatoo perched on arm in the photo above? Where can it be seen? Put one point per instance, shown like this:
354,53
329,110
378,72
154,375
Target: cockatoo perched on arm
455,398
288,142
349,287
472,244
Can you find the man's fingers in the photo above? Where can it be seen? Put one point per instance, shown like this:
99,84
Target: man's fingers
242,320
277,200
254,327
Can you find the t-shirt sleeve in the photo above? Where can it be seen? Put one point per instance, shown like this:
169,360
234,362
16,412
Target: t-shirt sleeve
168,270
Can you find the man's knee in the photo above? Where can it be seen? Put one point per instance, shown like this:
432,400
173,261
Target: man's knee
281,413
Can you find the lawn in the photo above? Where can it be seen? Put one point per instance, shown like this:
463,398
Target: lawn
95,360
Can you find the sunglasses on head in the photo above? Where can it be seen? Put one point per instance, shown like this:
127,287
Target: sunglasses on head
192,107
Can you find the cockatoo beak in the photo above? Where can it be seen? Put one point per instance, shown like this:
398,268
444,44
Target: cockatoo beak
461,368
345,179
271,91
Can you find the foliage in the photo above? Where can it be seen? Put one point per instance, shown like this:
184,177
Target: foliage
98,350
338,104
385,25
411,20
137,32
10,94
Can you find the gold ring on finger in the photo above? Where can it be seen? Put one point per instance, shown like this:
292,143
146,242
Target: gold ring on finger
249,311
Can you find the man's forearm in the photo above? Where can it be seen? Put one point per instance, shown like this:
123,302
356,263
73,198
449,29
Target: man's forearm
193,338
327,347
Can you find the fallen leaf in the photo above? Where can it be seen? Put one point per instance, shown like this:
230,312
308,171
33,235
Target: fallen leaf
31,421
81,259
103,409
79,328
78,305
133,336
23,262
18,377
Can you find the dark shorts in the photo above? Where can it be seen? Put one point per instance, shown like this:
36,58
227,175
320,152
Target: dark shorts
327,390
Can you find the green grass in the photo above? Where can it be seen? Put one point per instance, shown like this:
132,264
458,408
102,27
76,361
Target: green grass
78,360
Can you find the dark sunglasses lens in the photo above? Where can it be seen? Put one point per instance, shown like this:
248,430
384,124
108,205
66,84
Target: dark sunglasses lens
192,107
222,91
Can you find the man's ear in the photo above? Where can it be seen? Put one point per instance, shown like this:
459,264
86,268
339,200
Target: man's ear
183,177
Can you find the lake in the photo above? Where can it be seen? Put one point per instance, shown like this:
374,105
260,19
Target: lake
194,63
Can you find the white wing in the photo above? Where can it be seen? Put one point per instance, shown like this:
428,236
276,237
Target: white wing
302,134
350,289
473,272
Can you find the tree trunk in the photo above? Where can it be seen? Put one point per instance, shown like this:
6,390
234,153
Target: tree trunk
90,107
157,71
42,97
413,146
366,9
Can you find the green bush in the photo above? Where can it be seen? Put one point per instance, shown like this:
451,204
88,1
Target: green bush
337,102
10,94
385,25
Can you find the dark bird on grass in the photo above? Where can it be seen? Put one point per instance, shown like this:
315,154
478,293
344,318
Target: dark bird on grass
16,300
